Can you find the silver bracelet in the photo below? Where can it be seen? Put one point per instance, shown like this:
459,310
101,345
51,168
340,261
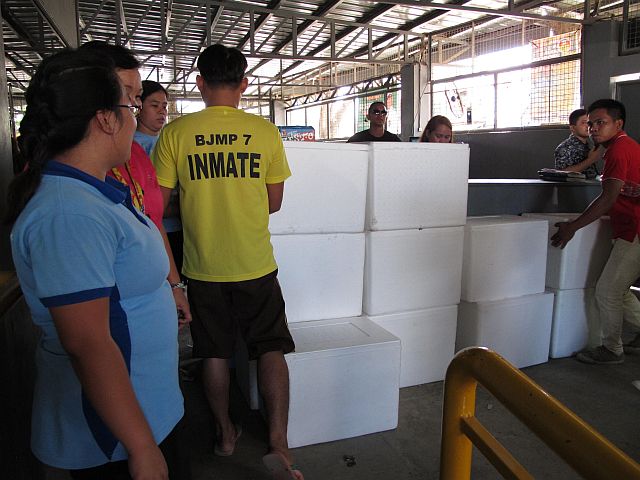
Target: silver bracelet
181,285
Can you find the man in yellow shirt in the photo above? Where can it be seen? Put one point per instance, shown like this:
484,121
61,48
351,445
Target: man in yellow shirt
231,167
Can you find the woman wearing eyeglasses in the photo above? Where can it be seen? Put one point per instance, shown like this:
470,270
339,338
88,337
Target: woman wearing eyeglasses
138,172
438,130
93,272
377,132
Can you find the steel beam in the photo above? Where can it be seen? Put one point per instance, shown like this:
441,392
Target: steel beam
62,16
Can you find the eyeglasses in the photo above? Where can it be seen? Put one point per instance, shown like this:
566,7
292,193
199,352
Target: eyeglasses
135,109
379,112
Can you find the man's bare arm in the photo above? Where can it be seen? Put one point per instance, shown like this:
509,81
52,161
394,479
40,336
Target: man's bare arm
599,207
275,192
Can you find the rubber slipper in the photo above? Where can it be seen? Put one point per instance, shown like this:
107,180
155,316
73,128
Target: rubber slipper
217,449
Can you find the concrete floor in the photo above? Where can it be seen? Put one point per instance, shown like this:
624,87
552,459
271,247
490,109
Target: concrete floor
603,396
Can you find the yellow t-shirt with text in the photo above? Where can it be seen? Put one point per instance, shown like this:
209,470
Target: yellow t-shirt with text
223,158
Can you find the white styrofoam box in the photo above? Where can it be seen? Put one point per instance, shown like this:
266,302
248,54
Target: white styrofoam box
575,322
504,256
427,339
417,185
327,190
412,269
321,274
579,264
519,328
344,380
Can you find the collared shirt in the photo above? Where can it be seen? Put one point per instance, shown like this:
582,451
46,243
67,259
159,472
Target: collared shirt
141,169
571,152
80,239
622,162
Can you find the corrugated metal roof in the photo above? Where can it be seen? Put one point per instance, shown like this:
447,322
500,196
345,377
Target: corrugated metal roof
281,38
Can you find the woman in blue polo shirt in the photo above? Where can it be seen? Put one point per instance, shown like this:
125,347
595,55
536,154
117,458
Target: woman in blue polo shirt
93,271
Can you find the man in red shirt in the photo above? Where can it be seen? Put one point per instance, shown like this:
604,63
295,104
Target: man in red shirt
620,199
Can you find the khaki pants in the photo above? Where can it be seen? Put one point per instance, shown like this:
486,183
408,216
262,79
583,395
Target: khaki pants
615,302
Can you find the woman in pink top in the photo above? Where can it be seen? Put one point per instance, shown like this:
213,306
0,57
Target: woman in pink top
140,176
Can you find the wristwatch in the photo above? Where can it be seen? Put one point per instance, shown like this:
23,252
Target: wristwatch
180,285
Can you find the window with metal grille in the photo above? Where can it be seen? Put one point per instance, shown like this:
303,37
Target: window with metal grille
630,27
535,79
468,102
297,118
317,118
341,114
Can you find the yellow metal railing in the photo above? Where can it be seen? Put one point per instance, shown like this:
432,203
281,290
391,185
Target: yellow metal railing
584,449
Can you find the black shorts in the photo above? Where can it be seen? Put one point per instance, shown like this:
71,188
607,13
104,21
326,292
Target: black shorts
253,308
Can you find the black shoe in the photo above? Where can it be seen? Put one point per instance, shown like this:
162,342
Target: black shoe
601,356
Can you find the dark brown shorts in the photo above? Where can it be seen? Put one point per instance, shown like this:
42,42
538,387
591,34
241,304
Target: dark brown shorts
254,308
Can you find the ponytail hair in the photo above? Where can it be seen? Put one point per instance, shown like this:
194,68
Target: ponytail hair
63,96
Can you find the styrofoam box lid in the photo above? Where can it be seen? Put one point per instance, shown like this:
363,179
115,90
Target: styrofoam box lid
492,221
559,217
394,146
553,217
418,315
323,146
338,333
571,291
508,302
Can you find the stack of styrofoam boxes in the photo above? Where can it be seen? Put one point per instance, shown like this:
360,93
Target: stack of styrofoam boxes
572,274
345,371
504,305
416,206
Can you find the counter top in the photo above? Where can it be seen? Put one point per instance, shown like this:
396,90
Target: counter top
527,181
